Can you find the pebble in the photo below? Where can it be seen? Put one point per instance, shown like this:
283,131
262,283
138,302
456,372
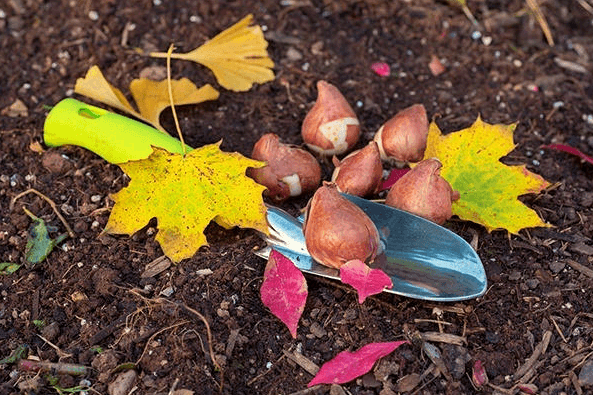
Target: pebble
515,275
123,383
532,283
317,330
556,267
293,54
586,374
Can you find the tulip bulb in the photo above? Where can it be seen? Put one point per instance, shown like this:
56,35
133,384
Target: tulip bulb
360,172
291,171
422,191
337,230
331,126
403,138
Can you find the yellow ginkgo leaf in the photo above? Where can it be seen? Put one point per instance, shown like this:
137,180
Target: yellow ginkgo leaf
95,86
237,56
185,193
489,189
152,97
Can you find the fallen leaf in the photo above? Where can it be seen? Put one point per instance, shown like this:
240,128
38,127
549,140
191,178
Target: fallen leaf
570,150
365,280
393,176
479,376
284,290
39,243
8,268
237,56
185,194
488,188
150,96
16,109
347,366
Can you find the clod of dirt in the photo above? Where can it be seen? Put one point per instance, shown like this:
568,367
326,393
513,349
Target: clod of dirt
104,364
55,163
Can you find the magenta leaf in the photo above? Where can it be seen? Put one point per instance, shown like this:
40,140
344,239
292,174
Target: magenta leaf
284,290
381,68
395,175
570,150
346,366
365,280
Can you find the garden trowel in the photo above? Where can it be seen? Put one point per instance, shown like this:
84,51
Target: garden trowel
424,260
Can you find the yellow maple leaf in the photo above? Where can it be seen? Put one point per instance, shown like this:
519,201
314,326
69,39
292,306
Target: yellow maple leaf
150,96
237,56
185,194
488,188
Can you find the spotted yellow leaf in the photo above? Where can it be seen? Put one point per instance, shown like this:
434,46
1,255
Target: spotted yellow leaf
150,96
237,56
185,194
488,188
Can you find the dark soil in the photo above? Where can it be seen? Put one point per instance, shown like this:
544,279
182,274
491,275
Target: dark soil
95,307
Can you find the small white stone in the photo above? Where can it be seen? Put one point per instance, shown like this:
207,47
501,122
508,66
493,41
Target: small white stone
96,198
93,15
517,63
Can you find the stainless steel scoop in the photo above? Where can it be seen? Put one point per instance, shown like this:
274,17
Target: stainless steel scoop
423,259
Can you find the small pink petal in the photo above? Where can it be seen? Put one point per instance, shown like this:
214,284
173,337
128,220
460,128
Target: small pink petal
530,389
346,366
381,68
479,376
395,175
436,67
284,290
570,150
365,280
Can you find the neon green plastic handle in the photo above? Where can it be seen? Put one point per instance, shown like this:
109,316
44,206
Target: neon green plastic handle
115,138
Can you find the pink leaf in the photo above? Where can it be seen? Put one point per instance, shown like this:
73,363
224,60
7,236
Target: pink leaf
381,68
365,280
395,175
570,150
347,366
284,290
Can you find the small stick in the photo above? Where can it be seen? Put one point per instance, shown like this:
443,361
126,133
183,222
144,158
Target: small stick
581,268
558,330
540,349
49,201
169,52
59,368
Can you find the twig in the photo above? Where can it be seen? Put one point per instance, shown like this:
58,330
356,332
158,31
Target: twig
539,350
586,6
169,52
49,201
173,386
541,19
61,353
558,330
304,362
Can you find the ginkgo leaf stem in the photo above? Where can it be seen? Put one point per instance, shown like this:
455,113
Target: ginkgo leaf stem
177,127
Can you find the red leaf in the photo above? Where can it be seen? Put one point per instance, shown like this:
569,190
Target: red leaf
381,69
347,366
395,175
284,290
570,150
365,280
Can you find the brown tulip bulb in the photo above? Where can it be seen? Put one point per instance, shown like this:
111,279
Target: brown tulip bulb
360,172
331,126
403,138
337,230
422,191
291,171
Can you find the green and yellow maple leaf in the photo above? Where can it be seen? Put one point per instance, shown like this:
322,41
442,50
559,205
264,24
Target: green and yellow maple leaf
185,194
488,188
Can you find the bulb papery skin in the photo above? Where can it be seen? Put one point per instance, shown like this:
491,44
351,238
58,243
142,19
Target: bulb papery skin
360,172
291,171
331,126
337,230
422,191
402,139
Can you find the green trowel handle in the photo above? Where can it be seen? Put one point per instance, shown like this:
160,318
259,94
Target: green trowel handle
115,138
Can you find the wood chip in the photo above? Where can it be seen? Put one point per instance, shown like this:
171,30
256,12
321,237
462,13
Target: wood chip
302,361
581,268
155,267
443,338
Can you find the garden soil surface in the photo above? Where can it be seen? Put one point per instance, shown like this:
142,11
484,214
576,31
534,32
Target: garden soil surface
92,302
